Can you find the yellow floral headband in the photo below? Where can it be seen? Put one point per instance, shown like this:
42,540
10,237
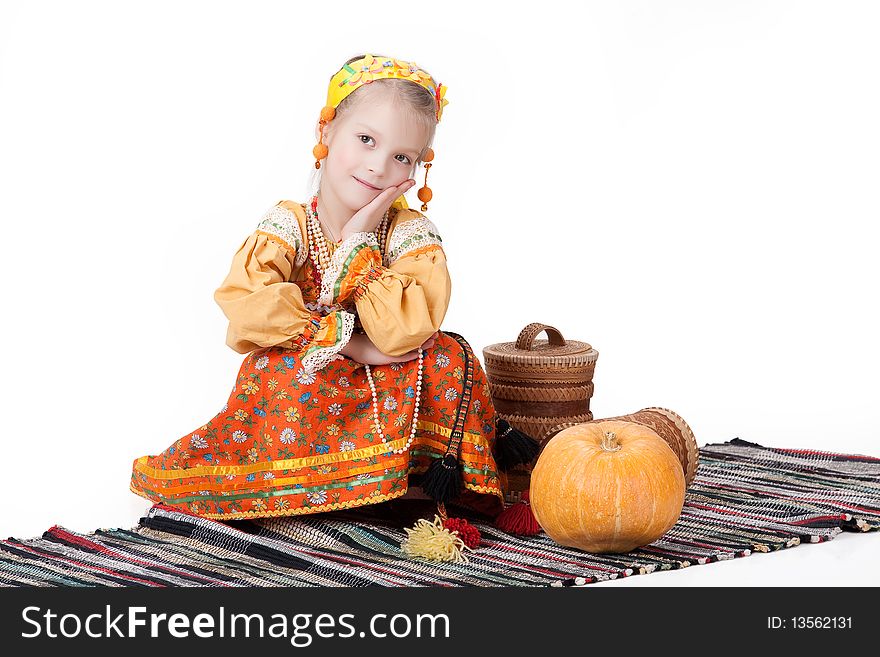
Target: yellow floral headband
366,70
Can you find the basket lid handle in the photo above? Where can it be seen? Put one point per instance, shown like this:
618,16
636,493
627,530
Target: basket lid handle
526,337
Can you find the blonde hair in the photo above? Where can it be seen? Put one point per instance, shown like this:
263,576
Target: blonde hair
418,102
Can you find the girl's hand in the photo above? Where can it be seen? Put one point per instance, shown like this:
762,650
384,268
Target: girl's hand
361,349
368,217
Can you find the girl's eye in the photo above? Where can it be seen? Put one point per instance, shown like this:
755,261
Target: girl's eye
362,137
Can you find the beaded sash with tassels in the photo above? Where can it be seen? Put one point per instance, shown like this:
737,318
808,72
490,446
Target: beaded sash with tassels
465,400
445,538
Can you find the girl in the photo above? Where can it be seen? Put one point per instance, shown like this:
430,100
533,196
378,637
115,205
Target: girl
350,395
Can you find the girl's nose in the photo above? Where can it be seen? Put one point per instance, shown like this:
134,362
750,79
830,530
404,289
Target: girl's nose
376,165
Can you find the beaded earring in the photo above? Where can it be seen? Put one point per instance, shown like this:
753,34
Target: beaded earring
425,193
320,150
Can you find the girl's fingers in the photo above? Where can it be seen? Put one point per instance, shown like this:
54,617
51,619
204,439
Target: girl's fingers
393,192
384,200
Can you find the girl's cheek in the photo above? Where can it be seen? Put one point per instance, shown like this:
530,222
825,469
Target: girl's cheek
344,158
352,155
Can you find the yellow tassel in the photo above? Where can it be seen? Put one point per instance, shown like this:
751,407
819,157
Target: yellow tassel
432,541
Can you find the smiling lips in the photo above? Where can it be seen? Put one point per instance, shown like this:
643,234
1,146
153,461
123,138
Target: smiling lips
367,185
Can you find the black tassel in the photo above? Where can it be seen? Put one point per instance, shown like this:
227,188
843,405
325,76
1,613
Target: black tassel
513,447
444,479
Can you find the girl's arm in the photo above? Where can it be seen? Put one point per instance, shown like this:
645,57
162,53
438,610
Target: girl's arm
266,309
361,349
400,306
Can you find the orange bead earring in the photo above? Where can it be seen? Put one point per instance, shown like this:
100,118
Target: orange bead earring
425,193
320,150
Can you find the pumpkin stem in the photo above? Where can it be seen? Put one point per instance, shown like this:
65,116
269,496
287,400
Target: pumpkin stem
609,442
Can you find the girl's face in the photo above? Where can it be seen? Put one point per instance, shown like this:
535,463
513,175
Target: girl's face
370,149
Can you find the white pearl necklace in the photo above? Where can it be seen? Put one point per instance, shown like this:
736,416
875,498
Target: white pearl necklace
415,420
317,246
318,243
321,258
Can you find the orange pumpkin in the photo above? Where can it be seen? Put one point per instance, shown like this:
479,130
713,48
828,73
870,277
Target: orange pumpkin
607,486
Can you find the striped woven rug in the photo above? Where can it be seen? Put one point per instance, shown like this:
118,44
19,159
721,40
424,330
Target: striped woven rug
745,498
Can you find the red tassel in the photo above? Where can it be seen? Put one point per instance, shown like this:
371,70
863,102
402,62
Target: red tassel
518,518
466,531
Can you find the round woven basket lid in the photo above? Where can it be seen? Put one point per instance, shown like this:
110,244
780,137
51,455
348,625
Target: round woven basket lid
556,350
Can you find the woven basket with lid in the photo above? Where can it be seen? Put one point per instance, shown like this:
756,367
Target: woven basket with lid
538,384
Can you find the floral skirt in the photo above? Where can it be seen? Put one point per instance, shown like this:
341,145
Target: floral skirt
288,442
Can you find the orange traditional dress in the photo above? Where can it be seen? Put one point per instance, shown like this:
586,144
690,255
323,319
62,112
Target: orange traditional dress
297,433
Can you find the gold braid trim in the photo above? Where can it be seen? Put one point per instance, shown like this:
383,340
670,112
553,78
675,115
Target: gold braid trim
294,464
335,506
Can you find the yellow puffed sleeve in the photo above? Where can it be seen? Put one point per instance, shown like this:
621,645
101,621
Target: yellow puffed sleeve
401,300
265,308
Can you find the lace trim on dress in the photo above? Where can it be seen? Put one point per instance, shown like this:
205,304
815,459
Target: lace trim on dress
319,358
410,235
282,223
338,267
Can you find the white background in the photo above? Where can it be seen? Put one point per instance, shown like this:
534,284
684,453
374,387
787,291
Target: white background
691,187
